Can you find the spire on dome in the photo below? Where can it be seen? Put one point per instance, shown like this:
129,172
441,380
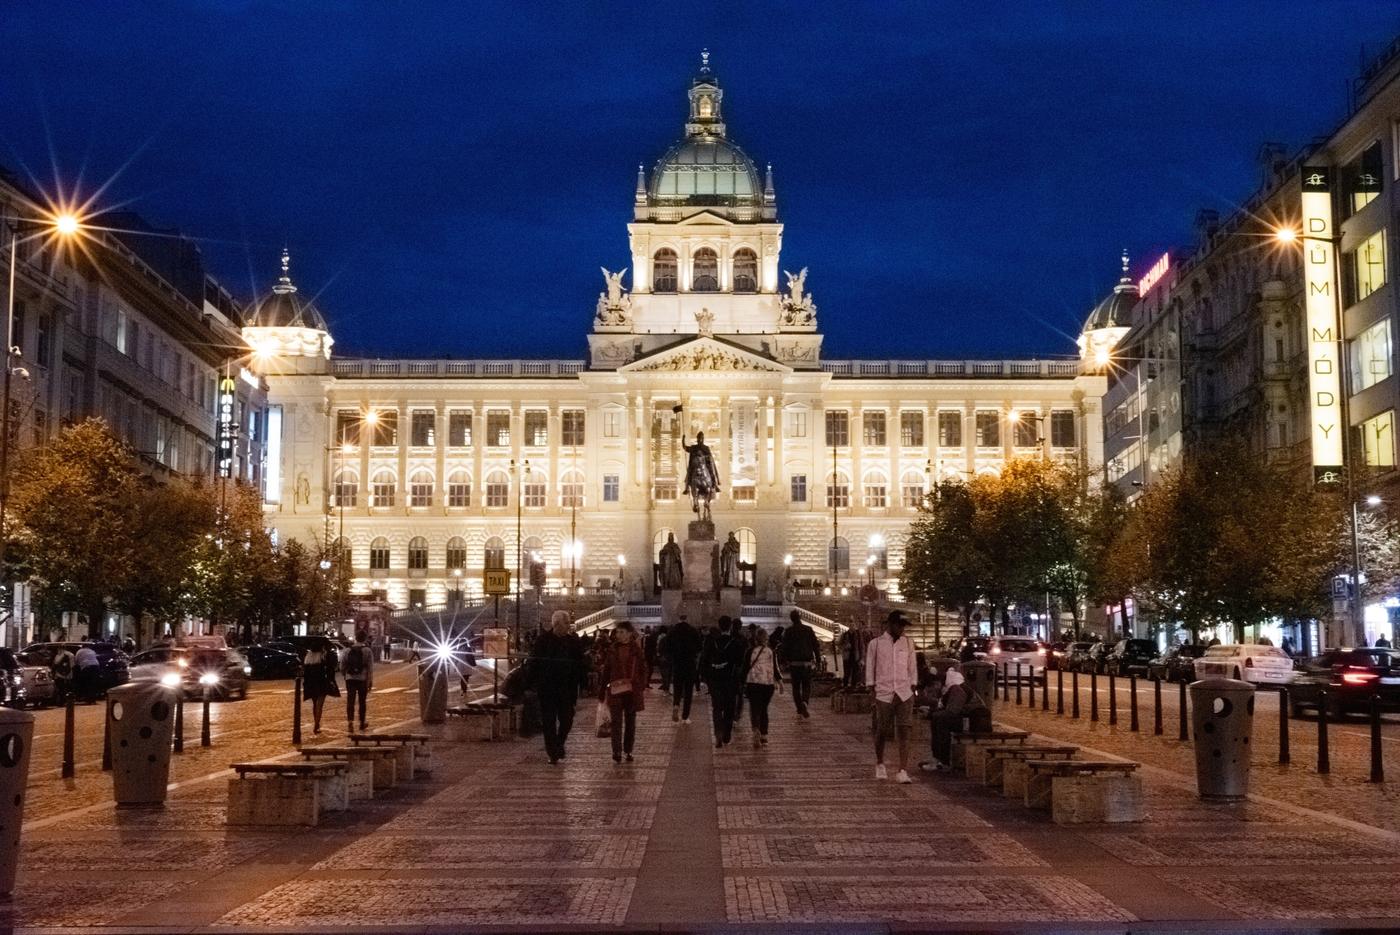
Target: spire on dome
768,196
641,193
704,61
284,283
1126,281
705,97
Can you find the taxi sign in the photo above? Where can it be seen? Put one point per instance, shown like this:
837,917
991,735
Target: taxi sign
497,581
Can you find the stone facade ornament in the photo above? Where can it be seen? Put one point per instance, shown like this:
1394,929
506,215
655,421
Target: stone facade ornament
799,312
705,358
705,321
614,305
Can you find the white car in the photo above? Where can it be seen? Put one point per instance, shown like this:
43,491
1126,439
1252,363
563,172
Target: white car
1011,651
1249,662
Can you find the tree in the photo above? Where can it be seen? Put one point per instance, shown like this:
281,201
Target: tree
943,563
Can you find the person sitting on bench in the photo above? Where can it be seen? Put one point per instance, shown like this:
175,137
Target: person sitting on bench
958,701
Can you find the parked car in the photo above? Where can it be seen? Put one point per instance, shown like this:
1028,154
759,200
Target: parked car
1094,658
1177,664
981,646
1250,662
1350,677
112,663
1077,657
1011,651
1057,655
1130,657
224,671
300,644
25,683
271,662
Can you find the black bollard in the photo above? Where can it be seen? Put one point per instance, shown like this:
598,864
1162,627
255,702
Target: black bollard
204,721
296,711
1094,695
1074,688
1018,683
107,736
1283,753
1182,733
1324,759
179,744
1377,763
1112,699
68,765
1045,689
1006,681
1059,691
1132,704
1157,706
1030,689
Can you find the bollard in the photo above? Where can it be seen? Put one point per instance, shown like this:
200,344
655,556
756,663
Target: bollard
68,766
180,720
1094,695
141,714
1324,759
1157,706
1059,691
107,737
1045,689
1030,689
204,721
16,739
1222,718
1283,752
1074,688
1377,764
1182,735
1018,683
432,692
1005,682
1132,704
296,711
1112,699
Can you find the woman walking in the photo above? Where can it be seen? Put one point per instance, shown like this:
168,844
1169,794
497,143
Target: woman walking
318,680
621,682
761,678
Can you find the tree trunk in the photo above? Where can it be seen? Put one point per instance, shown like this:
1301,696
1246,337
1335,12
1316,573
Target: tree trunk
96,617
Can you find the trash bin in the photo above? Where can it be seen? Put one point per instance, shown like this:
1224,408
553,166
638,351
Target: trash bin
142,718
1222,717
16,737
982,678
432,691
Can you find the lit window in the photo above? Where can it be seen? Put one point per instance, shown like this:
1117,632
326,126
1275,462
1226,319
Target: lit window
417,553
1368,266
497,489
796,426
988,430
799,488
612,423
612,488
536,428
572,427
498,428
706,271
383,489
911,429
571,492
423,429
1371,356
1378,440
745,270
459,428
459,489
838,426
1365,177
663,270
950,430
875,429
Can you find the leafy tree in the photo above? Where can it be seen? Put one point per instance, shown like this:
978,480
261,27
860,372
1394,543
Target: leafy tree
168,522
943,562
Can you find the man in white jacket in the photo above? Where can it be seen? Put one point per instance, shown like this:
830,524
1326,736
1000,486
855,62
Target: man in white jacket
890,669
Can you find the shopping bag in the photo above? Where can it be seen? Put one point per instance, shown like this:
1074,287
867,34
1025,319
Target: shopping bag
602,720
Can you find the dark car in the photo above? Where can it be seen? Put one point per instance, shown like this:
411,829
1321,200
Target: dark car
1057,655
272,662
1177,664
1350,677
223,672
1077,657
300,644
1130,657
111,661
981,646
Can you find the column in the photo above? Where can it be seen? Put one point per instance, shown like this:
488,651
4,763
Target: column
440,453
478,411
857,440
969,439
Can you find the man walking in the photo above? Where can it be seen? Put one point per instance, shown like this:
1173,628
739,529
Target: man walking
799,651
87,669
891,670
359,678
721,663
556,666
683,646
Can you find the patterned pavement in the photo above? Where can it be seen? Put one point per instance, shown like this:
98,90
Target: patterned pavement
796,833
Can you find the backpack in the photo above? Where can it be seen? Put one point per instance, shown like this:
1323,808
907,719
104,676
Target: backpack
355,661
721,653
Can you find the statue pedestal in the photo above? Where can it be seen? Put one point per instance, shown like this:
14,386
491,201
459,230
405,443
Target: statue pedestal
700,561
731,603
699,610
672,605
701,529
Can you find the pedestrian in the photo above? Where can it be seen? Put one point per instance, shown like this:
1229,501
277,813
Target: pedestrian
891,671
850,658
957,701
556,668
649,646
622,682
683,646
62,669
358,666
721,662
800,652
761,679
318,679
86,671
663,659
1382,642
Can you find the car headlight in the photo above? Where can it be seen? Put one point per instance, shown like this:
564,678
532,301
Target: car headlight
170,679
247,670
209,678
17,679
182,663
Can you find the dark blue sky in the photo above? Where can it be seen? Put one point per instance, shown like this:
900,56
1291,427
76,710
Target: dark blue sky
451,175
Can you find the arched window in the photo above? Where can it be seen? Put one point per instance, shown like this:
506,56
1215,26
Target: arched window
379,554
838,556
663,270
876,491
497,489
748,545
495,553
838,491
420,489
456,553
383,489
912,489
347,489
417,554
658,542
571,490
705,268
880,551
536,489
459,488
745,270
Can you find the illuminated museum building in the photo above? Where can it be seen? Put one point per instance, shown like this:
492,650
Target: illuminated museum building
420,464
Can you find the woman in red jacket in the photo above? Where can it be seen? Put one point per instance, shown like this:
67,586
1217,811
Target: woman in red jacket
621,682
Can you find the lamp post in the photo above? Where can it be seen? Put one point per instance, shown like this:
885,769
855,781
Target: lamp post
835,523
787,575
520,477
621,575
457,587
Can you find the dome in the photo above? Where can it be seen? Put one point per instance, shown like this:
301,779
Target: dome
703,170
283,307
1116,309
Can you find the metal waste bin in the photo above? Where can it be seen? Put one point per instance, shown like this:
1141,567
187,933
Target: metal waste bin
141,719
1222,718
981,677
433,676
16,737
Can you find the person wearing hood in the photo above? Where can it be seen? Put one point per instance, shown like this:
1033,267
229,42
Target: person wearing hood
958,701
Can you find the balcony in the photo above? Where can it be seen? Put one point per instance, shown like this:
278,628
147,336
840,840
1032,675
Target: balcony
976,369
438,369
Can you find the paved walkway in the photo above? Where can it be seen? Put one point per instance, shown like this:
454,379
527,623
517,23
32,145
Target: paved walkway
690,837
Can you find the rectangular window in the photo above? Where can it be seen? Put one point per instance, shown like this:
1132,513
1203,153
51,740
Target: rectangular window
572,428
799,488
379,557
875,498
1062,428
838,494
874,429
1364,177
911,429
498,428
498,491
1378,441
1368,266
950,430
347,493
663,491
420,493
459,492
913,495
1025,431
384,428
571,494
459,428
535,493
417,597
536,428
795,423
1371,356
745,494
383,490
347,427
838,427
424,428
612,423
612,488
988,429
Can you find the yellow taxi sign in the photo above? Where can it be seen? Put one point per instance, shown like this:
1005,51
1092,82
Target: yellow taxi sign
496,581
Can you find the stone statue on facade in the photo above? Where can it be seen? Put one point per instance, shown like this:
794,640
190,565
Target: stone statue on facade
705,322
614,305
672,573
729,563
701,476
798,309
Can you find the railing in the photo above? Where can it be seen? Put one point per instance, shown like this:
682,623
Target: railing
1036,369
457,368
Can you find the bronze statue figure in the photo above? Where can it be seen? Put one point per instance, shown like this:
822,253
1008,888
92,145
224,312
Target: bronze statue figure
701,477
672,575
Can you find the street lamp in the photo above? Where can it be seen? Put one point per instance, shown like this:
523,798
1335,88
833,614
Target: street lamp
787,573
621,572
520,478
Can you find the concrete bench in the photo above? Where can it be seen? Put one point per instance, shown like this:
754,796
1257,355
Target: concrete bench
1085,791
286,794
415,757
966,751
1006,766
362,763
852,701
487,722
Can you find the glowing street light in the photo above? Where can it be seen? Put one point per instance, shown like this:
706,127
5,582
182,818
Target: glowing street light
1285,235
1373,500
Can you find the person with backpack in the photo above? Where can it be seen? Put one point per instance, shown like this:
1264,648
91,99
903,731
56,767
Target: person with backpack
958,701
683,647
721,664
800,653
761,679
358,666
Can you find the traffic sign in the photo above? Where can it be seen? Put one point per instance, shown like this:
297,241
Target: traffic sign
495,643
497,581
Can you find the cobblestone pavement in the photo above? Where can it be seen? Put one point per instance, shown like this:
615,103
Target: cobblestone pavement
796,832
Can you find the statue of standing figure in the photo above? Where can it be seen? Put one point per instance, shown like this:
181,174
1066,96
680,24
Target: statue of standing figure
729,563
701,477
672,572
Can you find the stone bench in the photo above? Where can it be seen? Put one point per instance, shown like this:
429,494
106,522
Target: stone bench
1085,791
1007,770
966,748
852,701
286,794
415,757
362,765
482,722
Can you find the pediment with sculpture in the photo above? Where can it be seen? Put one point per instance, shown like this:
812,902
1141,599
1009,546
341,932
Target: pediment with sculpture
705,354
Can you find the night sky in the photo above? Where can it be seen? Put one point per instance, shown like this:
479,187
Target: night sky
450,176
